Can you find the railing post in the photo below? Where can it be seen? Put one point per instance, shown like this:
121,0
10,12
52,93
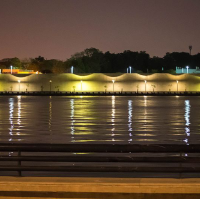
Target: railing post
19,163
180,164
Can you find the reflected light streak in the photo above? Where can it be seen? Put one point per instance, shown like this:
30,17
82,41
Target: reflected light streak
113,118
11,110
187,120
145,116
145,101
130,109
50,113
72,120
18,115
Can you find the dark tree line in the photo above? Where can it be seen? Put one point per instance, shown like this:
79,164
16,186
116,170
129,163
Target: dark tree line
93,60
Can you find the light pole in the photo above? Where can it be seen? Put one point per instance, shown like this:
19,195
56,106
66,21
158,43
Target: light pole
145,81
72,69
177,85
50,85
190,48
187,68
81,85
11,69
127,70
130,68
19,84
113,84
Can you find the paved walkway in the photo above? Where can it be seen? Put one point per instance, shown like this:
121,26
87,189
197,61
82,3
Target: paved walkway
67,187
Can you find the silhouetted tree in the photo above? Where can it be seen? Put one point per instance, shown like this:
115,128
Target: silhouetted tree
92,60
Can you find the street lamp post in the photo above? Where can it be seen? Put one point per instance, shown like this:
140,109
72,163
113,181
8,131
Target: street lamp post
11,67
113,84
19,84
177,85
145,81
72,69
187,68
50,85
130,68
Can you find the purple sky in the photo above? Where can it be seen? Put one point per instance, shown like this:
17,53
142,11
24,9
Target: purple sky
59,28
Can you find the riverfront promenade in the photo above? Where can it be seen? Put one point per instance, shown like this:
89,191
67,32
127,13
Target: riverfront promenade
99,82
87,188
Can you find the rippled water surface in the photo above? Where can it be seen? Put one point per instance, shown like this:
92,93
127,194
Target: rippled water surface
100,119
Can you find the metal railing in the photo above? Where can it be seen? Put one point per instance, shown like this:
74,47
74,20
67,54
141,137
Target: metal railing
165,158
101,93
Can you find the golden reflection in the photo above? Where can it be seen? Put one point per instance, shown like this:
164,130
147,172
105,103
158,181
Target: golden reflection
149,134
113,118
72,120
83,133
81,119
50,113
187,120
145,101
149,140
145,116
130,108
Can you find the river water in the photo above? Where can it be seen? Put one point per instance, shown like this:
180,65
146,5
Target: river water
111,119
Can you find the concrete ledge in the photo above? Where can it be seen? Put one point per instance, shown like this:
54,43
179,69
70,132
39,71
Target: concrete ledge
55,187
100,93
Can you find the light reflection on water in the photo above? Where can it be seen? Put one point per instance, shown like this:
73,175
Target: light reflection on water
113,119
100,119
130,109
11,110
72,120
18,115
187,121
145,118
50,113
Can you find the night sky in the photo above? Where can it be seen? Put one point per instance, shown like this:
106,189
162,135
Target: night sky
56,29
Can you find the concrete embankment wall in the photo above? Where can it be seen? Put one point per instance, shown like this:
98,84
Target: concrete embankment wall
100,82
